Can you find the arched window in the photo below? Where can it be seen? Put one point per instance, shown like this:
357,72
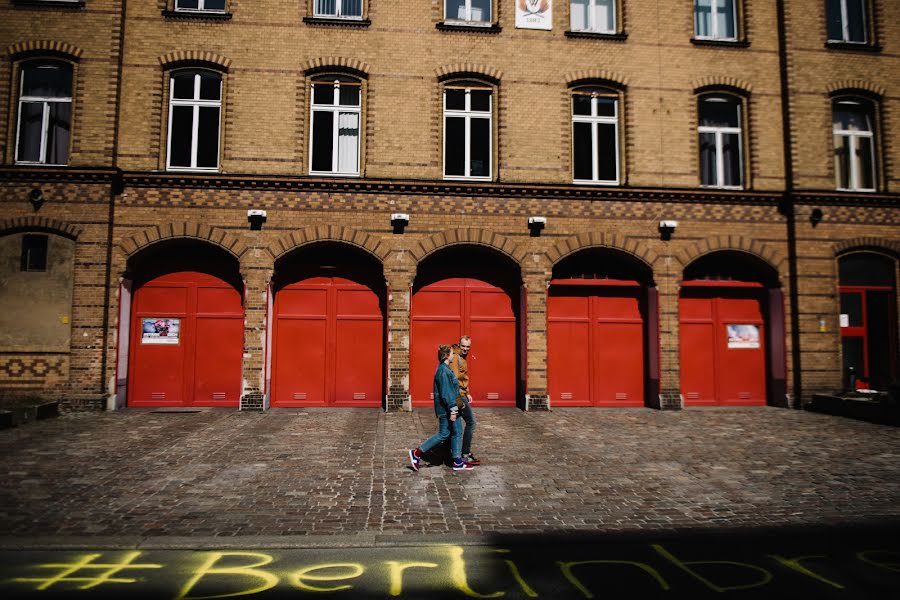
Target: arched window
335,123
468,130
595,135
721,144
195,112
45,112
854,144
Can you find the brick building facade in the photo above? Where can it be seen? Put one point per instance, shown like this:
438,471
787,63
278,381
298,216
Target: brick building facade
335,117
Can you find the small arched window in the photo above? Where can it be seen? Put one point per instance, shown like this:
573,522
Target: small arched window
195,113
721,143
468,130
45,112
335,124
595,135
854,144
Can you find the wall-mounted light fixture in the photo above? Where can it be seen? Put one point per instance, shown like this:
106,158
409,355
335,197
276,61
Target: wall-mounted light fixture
666,229
257,218
816,216
36,197
536,224
399,221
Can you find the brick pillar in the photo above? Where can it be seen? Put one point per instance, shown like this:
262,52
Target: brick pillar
536,277
256,270
399,272
668,284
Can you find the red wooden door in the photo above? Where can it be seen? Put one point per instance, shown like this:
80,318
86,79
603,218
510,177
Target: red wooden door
723,345
595,345
328,344
187,336
446,309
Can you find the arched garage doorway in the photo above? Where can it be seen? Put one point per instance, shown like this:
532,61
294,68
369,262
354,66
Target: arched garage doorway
602,334
186,326
731,323
475,291
328,328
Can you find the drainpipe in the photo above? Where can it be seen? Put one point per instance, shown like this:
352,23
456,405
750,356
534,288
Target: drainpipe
787,207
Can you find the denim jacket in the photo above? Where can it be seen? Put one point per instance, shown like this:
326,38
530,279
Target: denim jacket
446,389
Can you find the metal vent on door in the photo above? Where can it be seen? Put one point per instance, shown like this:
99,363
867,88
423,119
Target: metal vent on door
565,396
745,396
299,395
693,395
493,396
218,395
359,395
621,396
157,395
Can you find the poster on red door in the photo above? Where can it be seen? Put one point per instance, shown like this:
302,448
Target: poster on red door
742,336
156,330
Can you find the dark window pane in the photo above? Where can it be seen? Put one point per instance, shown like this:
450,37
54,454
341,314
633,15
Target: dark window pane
454,146
865,163
583,156
31,117
856,21
189,4
725,18
214,5
455,99
851,305
864,268
833,16
210,86
58,132
455,9
48,80
703,18
606,152
852,116
852,350
731,154
480,151
322,140
180,140
842,161
880,331
606,107
326,7
480,100
323,93
183,85
719,112
351,8
34,253
581,104
208,137
481,10
349,95
708,159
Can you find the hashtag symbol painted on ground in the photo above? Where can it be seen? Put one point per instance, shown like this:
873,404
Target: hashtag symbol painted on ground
105,572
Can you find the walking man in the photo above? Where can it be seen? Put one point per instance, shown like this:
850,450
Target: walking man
446,391
464,402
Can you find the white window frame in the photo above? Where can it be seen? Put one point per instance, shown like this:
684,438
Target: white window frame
45,120
336,108
196,103
337,11
720,132
854,136
595,120
468,20
592,27
468,114
845,24
201,7
715,22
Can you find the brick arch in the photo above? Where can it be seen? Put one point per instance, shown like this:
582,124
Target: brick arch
186,230
760,250
335,63
477,237
194,58
851,85
868,243
569,246
721,81
469,70
35,222
585,76
29,48
328,233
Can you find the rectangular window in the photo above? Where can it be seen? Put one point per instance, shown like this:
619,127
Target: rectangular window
847,21
470,11
339,9
195,111
715,20
210,5
34,252
595,137
597,16
45,113
336,115
468,132
721,160
854,147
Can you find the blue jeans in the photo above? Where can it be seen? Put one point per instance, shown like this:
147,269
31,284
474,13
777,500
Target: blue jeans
468,416
446,429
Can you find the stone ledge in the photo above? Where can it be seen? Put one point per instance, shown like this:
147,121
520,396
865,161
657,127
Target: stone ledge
880,408
18,413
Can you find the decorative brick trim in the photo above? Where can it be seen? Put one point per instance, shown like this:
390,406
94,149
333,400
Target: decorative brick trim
328,233
194,58
740,243
471,235
721,81
335,63
159,233
29,48
865,243
594,239
469,69
585,76
35,222
849,85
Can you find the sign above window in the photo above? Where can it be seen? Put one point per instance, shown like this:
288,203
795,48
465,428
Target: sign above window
534,14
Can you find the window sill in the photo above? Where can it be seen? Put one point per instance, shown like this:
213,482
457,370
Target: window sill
70,4
596,35
853,47
460,179
597,183
337,22
726,188
856,191
192,170
470,27
333,174
21,163
720,43
206,15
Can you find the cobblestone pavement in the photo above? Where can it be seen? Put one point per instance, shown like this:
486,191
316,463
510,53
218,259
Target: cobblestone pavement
345,471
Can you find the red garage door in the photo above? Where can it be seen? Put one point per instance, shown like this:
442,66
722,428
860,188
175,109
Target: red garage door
446,309
723,345
328,344
595,345
187,336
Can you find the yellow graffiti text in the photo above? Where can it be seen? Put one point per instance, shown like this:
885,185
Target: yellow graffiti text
86,563
529,591
267,580
686,567
395,570
892,565
299,578
566,568
794,563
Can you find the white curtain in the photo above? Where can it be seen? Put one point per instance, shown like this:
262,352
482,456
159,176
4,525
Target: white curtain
348,142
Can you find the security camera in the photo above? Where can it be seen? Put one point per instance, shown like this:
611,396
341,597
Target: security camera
399,217
668,224
253,212
538,221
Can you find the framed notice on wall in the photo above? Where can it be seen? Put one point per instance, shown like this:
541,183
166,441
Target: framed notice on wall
159,330
534,14
743,336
